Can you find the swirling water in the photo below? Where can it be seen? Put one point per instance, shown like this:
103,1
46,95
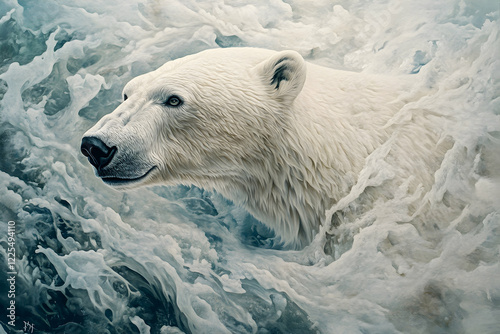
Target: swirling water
180,259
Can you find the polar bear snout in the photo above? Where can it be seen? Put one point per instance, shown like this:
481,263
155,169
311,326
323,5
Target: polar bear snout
98,153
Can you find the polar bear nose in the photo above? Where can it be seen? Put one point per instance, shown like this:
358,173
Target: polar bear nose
98,153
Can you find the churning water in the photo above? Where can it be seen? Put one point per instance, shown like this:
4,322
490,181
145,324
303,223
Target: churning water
183,260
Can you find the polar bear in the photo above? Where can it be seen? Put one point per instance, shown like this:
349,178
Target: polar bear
284,138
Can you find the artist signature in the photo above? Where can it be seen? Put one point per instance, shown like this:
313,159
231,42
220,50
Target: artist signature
28,327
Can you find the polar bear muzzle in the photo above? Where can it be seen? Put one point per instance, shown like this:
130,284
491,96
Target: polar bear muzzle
98,153
101,156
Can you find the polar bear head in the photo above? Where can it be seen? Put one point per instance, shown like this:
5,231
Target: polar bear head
209,119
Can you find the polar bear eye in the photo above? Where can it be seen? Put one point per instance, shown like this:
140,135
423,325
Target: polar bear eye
125,97
173,101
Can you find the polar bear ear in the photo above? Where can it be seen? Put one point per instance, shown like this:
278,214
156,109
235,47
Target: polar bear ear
284,73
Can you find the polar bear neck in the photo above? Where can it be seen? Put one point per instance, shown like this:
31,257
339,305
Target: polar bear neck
290,195
285,188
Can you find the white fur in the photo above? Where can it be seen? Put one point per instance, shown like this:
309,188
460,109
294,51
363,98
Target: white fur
286,152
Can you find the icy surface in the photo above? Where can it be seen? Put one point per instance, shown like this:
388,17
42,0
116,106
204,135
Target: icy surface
184,260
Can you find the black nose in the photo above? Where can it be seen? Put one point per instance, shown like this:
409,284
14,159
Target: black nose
99,154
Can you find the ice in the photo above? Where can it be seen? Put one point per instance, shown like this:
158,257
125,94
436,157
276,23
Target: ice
185,260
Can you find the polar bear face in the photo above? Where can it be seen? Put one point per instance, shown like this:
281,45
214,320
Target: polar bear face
204,119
